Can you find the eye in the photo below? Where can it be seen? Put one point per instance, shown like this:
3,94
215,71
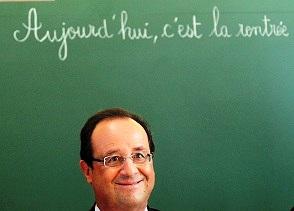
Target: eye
138,156
112,159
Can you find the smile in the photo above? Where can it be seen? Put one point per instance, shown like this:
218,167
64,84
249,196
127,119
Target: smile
128,183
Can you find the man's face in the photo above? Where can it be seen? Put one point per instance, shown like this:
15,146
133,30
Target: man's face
128,185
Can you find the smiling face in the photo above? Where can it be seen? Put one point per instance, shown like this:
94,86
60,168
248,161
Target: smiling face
130,185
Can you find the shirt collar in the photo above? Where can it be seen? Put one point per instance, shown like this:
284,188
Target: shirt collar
97,209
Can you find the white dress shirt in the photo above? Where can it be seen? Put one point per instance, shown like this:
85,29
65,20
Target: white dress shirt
97,209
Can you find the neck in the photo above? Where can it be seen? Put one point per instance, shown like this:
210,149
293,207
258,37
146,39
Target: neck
123,208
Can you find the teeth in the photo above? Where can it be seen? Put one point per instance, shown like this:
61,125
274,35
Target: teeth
129,182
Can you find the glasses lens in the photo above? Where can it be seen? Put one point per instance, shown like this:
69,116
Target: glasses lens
114,160
139,157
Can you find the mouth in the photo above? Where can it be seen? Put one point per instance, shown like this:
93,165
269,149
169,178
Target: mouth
129,183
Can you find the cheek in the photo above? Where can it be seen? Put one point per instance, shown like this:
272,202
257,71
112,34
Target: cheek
105,175
149,173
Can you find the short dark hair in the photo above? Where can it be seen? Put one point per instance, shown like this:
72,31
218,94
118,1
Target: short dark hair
86,151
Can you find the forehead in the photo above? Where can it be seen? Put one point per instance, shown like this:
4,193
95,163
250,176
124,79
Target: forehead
122,135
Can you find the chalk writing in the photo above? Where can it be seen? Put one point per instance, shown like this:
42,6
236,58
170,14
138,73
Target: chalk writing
218,30
132,33
67,32
176,28
182,30
265,30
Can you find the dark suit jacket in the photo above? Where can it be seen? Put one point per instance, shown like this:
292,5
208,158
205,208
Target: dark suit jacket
149,208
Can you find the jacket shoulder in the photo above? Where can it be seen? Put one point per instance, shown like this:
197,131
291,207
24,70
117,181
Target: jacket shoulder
152,209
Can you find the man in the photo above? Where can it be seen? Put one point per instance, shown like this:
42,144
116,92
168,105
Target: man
117,160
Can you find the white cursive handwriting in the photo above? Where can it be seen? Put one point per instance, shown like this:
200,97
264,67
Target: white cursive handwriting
33,29
265,30
219,31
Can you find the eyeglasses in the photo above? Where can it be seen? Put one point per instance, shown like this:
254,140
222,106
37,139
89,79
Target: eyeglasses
117,160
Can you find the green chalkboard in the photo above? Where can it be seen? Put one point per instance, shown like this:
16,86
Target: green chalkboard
215,80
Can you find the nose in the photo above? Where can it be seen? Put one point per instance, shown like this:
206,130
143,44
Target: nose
129,168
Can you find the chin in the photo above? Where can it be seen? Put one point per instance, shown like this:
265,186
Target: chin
133,199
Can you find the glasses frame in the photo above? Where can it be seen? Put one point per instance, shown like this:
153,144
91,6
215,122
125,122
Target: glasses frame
148,156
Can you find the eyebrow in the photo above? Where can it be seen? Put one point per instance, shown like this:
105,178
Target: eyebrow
111,152
140,148
117,151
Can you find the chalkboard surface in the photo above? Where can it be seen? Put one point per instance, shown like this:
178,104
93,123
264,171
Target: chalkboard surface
215,80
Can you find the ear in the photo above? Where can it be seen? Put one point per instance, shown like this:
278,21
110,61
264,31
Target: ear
87,171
